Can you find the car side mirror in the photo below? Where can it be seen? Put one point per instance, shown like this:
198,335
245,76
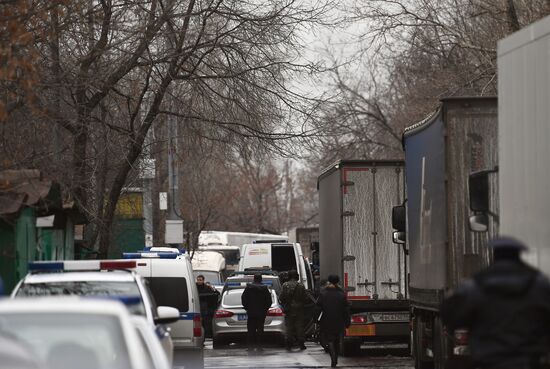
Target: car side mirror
479,222
167,315
478,188
399,218
399,237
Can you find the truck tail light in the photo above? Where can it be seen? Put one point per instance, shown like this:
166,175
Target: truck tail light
275,312
461,337
197,326
359,319
223,314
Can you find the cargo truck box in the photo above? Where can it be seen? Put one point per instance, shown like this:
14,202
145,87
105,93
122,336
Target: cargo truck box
355,203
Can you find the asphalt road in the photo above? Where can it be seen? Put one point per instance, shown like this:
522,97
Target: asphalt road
273,356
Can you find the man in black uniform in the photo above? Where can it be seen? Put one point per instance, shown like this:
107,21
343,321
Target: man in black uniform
506,309
334,316
208,298
256,300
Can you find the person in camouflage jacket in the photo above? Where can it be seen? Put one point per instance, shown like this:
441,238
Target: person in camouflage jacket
293,298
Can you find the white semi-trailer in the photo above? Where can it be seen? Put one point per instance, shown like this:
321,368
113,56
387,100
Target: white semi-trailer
524,139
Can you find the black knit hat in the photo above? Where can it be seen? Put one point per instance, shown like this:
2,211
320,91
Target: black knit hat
334,279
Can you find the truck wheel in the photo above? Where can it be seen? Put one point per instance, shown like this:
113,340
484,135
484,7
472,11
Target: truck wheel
418,351
349,348
439,344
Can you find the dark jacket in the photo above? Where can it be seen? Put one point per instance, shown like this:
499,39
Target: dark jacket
293,297
506,309
334,310
256,300
208,298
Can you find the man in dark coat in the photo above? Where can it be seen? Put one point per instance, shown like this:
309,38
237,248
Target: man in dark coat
256,300
506,309
208,298
334,316
293,297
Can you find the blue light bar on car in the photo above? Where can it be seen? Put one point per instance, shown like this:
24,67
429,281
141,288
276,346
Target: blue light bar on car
45,266
167,255
131,255
150,255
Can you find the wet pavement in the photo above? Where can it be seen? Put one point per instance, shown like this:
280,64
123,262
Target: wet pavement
274,356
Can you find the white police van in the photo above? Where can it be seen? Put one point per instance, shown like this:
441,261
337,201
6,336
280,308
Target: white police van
170,276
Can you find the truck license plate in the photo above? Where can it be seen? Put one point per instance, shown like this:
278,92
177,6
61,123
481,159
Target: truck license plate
242,317
395,317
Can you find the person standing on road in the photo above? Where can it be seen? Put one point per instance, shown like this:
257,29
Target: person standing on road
506,309
334,316
208,299
256,300
293,298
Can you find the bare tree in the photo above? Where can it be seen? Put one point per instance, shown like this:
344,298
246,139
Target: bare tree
411,54
109,70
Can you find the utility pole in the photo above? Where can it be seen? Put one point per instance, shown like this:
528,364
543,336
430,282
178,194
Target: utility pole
174,222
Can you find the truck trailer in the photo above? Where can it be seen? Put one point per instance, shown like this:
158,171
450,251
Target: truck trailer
524,139
355,201
441,152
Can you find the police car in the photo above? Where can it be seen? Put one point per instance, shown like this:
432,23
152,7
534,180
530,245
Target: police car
108,279
170,277
230,320
155,357
70,332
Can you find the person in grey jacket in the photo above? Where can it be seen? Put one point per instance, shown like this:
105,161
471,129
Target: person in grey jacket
506,309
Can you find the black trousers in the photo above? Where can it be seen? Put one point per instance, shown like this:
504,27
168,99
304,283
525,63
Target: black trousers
331,343
255,327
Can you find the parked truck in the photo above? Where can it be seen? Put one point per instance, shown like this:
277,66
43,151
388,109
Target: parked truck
524,139
441,152
223,238
524,146
307,237
355,200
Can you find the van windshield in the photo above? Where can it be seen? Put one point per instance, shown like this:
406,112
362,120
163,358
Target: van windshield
283,258
209,276
231,256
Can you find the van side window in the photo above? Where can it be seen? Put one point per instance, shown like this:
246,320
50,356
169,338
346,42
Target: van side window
170,291
283,258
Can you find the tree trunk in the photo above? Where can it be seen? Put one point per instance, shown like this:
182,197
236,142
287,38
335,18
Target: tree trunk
131,158
79,161
512,15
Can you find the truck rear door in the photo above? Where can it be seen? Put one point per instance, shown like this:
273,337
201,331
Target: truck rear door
374,267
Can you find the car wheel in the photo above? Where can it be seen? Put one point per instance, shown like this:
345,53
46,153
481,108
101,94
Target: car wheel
218,343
